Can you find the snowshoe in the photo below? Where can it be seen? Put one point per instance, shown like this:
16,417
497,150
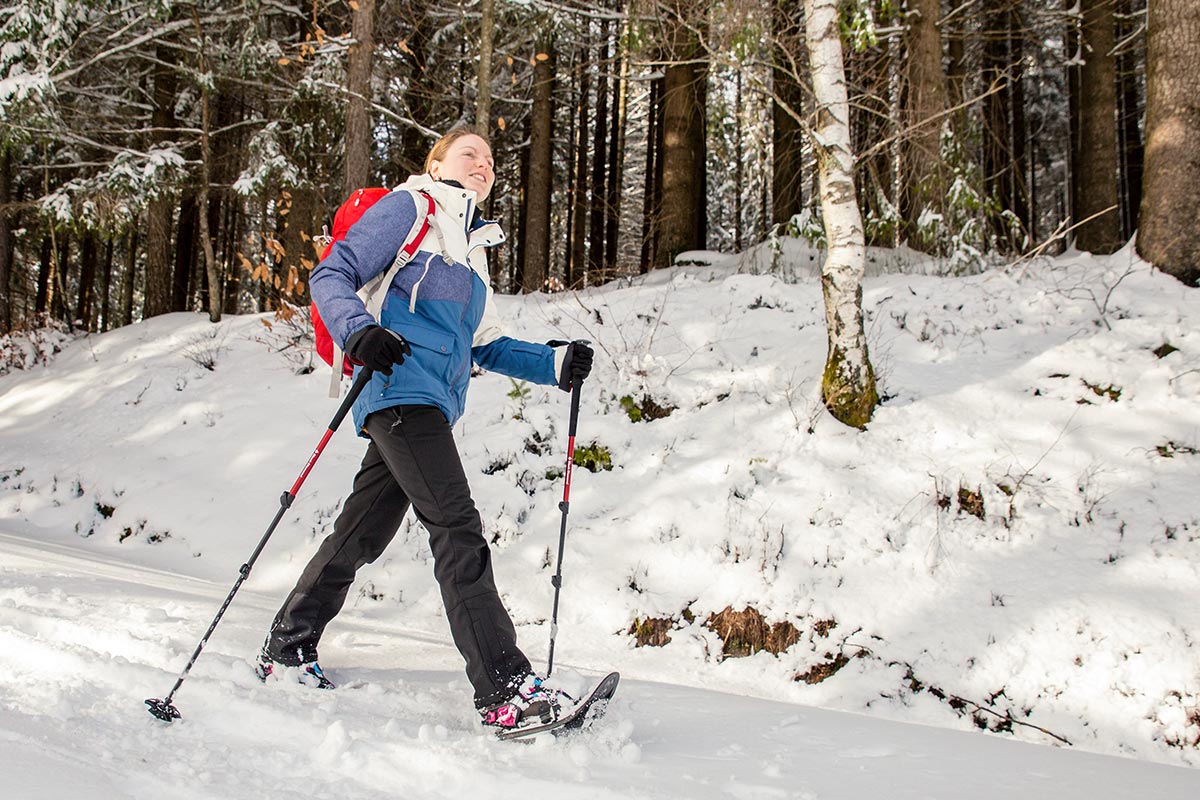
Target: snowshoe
578,718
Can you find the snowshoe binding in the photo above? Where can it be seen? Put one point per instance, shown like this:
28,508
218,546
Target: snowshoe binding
533,703
309,674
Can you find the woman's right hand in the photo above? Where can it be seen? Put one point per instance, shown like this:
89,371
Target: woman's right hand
377,348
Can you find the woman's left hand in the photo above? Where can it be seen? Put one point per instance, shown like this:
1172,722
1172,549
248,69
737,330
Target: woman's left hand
577,365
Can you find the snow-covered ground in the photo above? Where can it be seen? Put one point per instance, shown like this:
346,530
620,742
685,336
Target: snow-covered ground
1013,543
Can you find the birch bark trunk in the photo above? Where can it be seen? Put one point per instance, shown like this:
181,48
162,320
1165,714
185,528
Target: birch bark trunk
848,383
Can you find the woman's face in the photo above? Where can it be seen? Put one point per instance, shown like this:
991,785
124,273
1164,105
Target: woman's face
468,161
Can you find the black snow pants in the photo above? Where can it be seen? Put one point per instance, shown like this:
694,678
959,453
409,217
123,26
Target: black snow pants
412,460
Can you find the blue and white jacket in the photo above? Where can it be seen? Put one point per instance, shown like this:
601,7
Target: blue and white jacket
440,302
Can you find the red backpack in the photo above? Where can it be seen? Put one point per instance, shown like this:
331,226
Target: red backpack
372,293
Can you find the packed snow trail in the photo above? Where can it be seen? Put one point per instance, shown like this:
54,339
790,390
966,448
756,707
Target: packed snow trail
85,638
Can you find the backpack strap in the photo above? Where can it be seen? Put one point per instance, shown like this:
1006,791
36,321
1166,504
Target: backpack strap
375,291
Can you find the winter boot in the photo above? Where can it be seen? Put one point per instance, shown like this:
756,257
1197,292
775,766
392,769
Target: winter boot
309,674
533,703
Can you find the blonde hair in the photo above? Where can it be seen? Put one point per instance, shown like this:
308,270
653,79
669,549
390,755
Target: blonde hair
442,146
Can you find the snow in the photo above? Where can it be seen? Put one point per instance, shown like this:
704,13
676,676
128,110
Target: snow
134,482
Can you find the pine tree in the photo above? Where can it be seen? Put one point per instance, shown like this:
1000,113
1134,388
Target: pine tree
1094,162
1168,235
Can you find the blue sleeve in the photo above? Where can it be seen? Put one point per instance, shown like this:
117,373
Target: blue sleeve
524,361
368,250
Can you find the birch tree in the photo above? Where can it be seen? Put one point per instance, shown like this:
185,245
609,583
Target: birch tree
848,383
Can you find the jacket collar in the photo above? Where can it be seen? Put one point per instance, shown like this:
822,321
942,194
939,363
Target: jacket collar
456,202
449,196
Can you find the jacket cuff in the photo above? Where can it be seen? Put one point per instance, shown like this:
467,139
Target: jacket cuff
354,336
560,357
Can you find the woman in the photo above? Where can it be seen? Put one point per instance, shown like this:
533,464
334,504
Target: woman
436,320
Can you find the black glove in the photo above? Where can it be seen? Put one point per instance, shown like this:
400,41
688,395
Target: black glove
377,348
577,365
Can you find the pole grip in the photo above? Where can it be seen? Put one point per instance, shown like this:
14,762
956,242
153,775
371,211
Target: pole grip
573,426
360,383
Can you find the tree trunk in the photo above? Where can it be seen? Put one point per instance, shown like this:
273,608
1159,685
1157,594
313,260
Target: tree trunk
45,280
652,193
185,253
211,274
6,244
616,155
1019,128
1168,235
519,217
296,237
536,267
60,266
599,156
357,173
87,281
158,251
787,137
681,223
227,150
1129,74
105,321
231,289
161,210
1095,168
848,382
129,279
997,145
577,254
925,102
487,33
739,168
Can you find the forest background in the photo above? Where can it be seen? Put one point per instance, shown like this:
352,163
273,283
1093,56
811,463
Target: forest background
173,156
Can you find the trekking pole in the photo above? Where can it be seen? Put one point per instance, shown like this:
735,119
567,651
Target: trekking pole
564,506
163,708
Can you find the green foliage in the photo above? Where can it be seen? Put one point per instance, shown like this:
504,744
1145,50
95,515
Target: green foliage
964,229
858,25
519,394
881,220
744,35
808,226
111,198
631,409
594,457
646,410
